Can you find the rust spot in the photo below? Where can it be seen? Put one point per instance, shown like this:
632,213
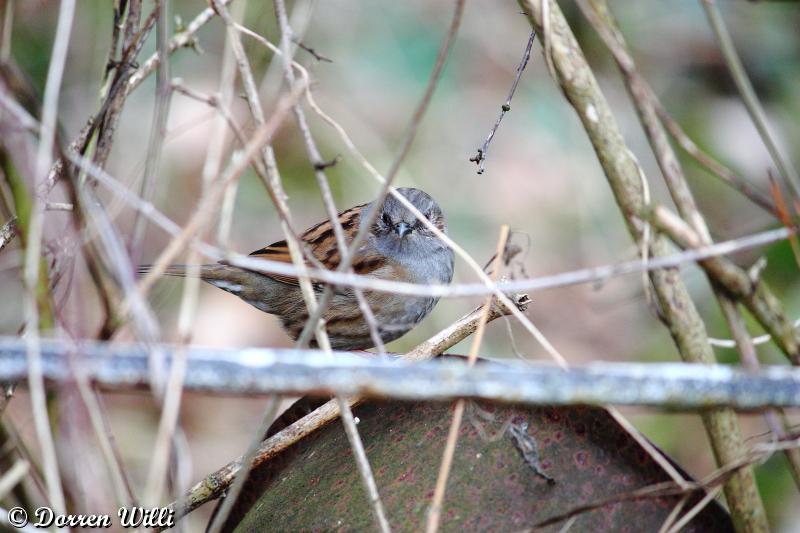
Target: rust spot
581,459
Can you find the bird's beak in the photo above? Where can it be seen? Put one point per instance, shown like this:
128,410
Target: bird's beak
402,229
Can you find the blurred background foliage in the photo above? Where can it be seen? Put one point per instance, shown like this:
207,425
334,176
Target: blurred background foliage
542,178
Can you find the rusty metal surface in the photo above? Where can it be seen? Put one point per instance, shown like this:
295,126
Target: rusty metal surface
499,481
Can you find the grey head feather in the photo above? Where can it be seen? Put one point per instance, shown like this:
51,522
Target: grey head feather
399,235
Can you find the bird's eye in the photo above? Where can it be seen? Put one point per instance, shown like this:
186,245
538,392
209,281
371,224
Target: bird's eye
429,215
386,219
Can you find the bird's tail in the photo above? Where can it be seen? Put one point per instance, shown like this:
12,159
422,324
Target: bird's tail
252,287
171,270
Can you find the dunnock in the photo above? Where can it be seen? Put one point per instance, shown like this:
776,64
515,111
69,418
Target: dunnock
398,247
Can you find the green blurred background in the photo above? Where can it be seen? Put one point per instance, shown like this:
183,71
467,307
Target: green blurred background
542,178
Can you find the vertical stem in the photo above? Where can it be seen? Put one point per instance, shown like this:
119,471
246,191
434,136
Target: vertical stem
435,510
679,312
33,257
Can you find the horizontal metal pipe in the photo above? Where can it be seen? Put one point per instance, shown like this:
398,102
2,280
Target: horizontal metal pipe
255,371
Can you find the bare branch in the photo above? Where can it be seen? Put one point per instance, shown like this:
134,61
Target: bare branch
405,146
483,151
596,275
749,97
317,56
158,128
33,263
679,313
182,39
226,507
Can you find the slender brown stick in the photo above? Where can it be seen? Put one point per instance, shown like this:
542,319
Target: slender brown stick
749,97
722,425
483,151
182,39
218,520
595,275
691,513
749,359
756,295
319,167
405,146
678,310
712,165
435,509
33,263
276,191
205,210
158,127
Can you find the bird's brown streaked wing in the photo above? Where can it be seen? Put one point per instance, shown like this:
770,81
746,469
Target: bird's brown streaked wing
278,251
321,241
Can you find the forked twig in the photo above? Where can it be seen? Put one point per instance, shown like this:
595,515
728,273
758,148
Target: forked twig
483,151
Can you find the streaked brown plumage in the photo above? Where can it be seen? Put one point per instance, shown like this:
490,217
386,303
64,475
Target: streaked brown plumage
398,247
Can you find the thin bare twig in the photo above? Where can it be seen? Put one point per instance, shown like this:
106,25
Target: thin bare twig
33,263
5,32
784,214
713,166
13,476
755,294
680,314
319,166
749,359
673,515
483,151
405,146
278,196
353,437
593,275
691,513
749,97
119,480
317,56
435,509
206,208
184,38
721,425
158,127
240,478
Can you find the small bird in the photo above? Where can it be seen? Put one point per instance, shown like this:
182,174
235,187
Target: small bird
398,247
